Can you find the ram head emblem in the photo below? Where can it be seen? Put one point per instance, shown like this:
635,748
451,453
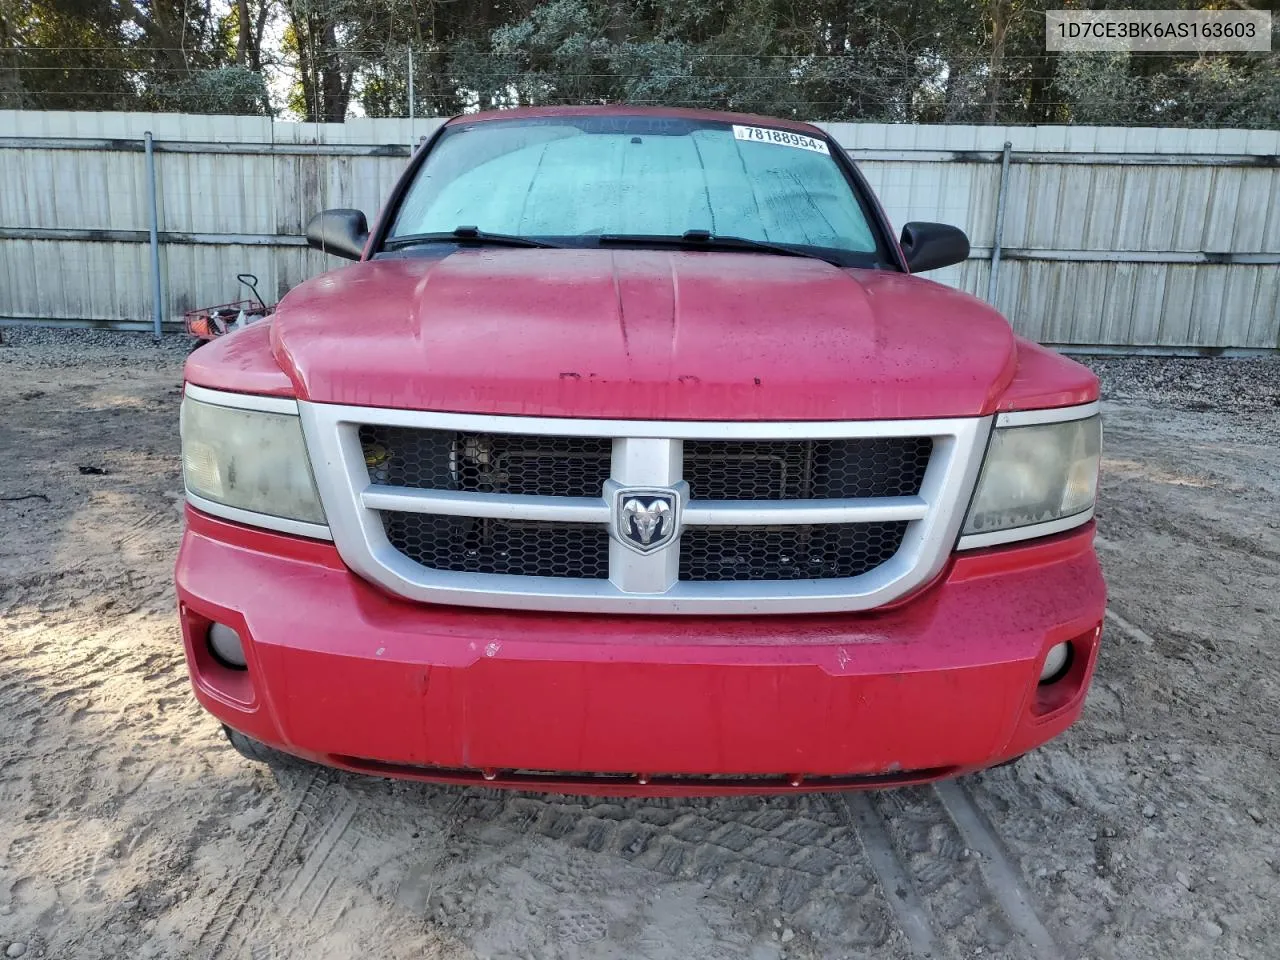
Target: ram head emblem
646,521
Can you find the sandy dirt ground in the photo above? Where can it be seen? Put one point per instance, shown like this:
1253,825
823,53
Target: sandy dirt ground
129,828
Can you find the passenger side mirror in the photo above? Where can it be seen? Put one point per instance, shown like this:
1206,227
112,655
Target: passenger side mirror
340,232
928,246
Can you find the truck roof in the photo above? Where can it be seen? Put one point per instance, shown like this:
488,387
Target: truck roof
627,110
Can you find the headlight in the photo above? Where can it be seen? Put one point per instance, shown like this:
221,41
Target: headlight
248,460
1035,475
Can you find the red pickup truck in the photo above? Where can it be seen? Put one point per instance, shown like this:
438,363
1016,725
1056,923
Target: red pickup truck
631,457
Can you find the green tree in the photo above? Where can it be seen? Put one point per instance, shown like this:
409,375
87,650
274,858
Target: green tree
120,55
910,61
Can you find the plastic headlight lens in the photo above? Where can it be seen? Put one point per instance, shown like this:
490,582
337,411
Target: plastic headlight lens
1036,474
248,459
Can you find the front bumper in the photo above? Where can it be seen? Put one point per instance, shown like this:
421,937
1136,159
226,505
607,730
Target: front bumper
341,673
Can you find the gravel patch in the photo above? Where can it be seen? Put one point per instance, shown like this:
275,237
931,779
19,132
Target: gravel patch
1197,384
30,346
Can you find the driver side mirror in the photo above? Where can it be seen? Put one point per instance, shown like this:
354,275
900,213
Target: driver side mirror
928,246
340,232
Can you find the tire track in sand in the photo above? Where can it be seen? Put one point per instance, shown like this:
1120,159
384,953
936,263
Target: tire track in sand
899,892
1000,875
943,871
214,936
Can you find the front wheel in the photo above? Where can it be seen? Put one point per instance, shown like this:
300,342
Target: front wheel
259,752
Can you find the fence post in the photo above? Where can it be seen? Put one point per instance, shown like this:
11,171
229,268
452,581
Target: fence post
993,280
411,90
157,308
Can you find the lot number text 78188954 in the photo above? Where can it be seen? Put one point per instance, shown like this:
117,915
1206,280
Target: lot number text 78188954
784,138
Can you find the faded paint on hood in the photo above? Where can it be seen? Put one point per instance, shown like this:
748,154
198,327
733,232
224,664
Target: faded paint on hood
642,334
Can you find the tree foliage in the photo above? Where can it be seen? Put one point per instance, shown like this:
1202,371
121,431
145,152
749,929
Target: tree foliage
922,61
234,90
105,54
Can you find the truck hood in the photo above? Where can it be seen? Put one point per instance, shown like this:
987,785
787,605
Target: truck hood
641,334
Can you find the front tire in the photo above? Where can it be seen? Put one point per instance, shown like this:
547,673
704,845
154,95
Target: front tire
259,752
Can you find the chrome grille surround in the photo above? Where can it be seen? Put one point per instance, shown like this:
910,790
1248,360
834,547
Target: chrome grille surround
644,454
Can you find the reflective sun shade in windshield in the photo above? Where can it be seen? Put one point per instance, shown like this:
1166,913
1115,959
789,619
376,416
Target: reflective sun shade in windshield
579,177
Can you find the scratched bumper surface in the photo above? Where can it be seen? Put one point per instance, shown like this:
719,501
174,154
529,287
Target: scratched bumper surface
337,668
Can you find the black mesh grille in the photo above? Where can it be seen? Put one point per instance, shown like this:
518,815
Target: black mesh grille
715,554
486,462
519,547
551,466
805,469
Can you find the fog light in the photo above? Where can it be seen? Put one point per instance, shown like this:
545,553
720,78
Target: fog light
225,645
1056,662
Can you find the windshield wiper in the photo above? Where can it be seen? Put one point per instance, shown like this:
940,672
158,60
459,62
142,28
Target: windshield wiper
706,240
465,235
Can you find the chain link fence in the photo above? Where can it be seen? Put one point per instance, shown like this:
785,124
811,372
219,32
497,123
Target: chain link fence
884,83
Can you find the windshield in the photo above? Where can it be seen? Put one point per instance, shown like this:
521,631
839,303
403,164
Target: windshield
575,179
